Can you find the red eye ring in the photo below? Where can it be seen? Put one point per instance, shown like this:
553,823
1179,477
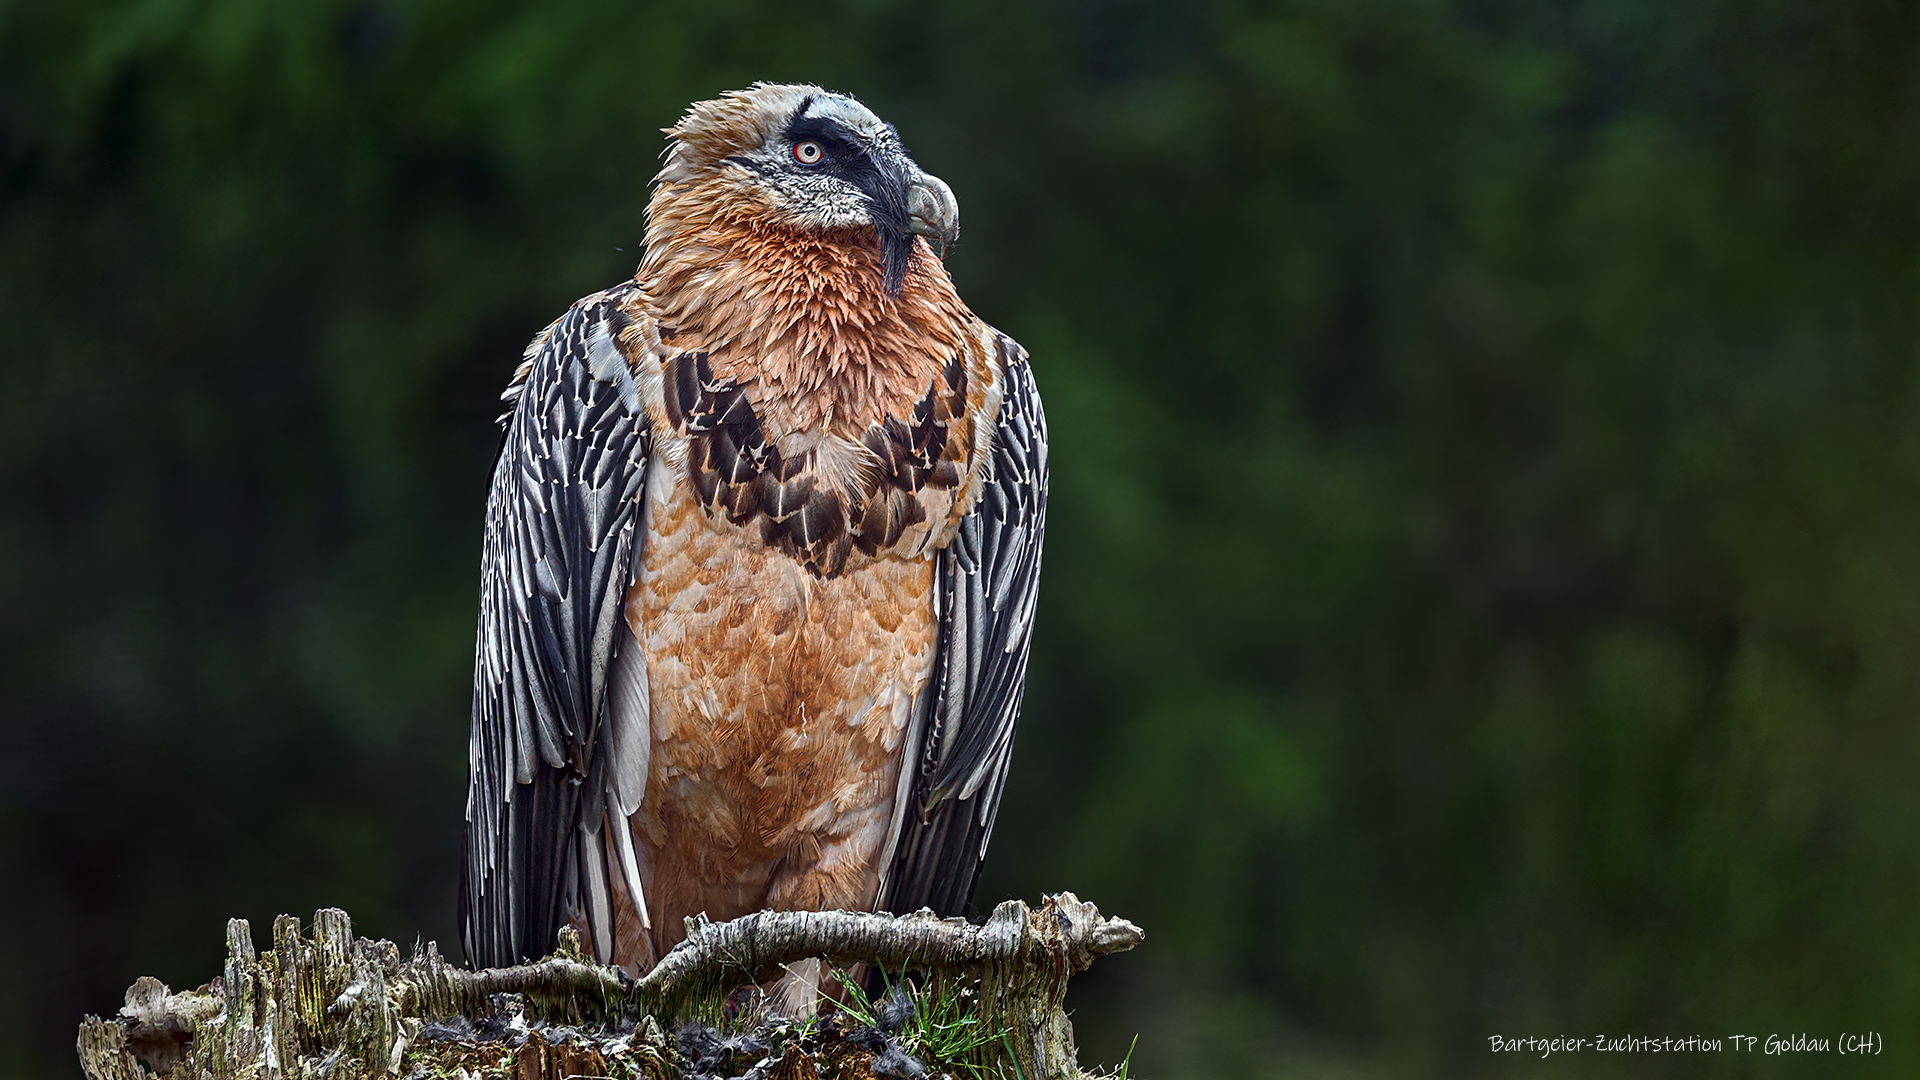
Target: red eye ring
808,152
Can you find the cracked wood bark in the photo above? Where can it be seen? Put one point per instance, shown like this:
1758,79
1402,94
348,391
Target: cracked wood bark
344,1007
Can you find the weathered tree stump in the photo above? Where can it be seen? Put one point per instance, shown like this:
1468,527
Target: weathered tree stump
342,1008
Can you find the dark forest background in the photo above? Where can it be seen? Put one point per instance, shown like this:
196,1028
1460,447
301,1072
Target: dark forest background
1483,592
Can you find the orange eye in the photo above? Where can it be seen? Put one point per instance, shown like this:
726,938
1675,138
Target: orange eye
808,152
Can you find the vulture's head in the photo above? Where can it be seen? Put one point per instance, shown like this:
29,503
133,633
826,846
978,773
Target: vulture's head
805,158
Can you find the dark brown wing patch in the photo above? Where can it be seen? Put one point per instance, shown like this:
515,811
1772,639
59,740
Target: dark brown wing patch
735,471
916,452
925,450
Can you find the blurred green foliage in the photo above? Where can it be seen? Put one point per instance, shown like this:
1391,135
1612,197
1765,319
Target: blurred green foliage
1482,596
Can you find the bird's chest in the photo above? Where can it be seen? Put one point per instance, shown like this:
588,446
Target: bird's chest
834,498
779,698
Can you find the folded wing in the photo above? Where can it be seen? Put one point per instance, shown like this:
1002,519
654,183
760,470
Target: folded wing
560,736
988,582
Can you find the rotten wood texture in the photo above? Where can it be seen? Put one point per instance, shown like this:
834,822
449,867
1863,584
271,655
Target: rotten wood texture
344,1008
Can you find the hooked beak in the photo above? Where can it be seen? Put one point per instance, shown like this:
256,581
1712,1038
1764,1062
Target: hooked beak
932,211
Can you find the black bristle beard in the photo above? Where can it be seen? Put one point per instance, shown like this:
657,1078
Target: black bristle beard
897,244
886,192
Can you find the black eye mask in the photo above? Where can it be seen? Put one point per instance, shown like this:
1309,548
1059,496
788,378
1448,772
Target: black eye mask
884,178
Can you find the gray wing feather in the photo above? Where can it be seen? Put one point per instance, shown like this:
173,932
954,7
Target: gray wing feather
559,551
987,581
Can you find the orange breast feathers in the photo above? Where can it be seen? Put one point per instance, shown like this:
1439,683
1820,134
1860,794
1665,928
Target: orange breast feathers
779,705
815,439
